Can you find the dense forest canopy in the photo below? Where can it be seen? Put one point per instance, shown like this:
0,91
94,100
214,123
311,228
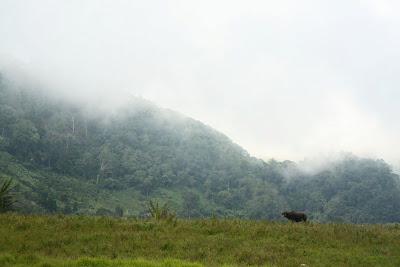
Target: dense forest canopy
73,159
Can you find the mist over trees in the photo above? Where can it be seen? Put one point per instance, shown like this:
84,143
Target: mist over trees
70,159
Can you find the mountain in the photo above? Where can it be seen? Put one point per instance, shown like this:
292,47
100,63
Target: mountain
73,158
349,190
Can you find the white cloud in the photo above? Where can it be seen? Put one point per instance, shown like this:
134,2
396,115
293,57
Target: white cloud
284,79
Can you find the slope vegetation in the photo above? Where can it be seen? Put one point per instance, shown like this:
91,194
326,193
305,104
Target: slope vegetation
77,159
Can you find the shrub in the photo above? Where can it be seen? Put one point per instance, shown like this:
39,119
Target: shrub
161,212
6,196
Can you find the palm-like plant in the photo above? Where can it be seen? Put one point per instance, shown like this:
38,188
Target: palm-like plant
6,196
161,213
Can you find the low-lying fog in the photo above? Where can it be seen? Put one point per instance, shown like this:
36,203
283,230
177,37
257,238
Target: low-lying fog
284,79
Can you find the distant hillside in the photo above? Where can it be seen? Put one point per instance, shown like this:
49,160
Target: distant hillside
74,159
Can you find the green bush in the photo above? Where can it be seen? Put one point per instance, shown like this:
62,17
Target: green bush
161,212
6,196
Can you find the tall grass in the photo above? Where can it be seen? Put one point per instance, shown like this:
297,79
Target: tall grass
213,242
31,260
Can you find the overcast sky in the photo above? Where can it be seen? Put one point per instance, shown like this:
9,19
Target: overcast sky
283,79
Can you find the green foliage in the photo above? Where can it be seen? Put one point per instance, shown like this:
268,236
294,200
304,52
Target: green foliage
161,212
6,196
99,158
72,159
351,190
119,212
191,204
106,241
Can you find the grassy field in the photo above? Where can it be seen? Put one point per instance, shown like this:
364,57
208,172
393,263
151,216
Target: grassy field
99,241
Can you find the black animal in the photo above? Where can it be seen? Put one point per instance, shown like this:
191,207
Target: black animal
295,216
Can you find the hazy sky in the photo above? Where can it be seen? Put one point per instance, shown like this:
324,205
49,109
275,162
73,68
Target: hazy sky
284,79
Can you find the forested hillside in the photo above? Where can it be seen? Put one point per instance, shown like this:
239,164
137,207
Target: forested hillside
71,158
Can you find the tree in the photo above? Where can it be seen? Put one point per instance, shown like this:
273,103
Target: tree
267,204
161,212
48,201
25,137
119,212
6,197
8,117
191,203
107,160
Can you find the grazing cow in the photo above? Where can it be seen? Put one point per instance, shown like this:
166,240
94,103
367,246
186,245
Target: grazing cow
295,216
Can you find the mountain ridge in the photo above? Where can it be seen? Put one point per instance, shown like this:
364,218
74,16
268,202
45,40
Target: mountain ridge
65,158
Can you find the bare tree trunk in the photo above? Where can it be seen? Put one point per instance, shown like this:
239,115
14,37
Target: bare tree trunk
86,129
73,125
103,167
66,144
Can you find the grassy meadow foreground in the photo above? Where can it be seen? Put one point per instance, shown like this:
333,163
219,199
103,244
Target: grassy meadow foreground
103,241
